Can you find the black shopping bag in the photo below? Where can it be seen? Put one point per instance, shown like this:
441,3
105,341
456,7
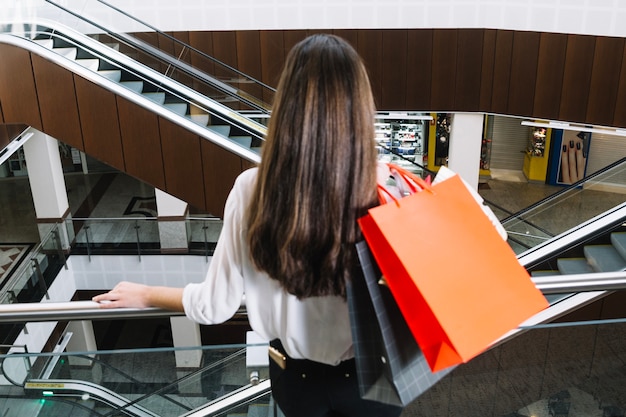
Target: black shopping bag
390,365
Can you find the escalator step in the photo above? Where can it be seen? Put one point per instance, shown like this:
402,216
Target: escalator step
618,240
156,97
178,108
223,130
573,266
136,86
91,64
113,75
604,258
245,141
67,52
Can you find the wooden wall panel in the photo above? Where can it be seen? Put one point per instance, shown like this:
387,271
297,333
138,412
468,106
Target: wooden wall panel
523,73
419,69
350,35
487,67
272,60
619,116
394,69
225,50
202,41
17,87
99,123
141,142
577,77
502,71
550,68
469,61
249,60
370,47
220,168
444,69
182,163
605,75
57,102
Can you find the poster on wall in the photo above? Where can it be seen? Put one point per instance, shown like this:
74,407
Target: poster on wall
569,157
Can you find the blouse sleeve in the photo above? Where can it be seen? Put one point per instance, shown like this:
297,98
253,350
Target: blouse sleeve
219,297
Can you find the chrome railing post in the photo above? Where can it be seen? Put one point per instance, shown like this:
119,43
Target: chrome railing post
59,246
137,227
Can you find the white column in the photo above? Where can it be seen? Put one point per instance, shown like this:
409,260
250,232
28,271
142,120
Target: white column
172,214
47,183
83,340
466,135
185,334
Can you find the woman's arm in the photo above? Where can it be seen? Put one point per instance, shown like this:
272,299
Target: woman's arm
128,294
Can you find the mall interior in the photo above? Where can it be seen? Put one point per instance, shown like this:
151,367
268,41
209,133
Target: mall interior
123,126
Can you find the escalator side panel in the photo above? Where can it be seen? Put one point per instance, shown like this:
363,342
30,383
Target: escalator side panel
17,89
57,101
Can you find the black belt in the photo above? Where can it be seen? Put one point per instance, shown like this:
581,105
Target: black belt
307,367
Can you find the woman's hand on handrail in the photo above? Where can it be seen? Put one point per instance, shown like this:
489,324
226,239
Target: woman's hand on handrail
133,295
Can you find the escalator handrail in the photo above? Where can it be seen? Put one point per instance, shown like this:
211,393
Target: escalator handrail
138,98
144,47
233,400
186,45
88,310
609,219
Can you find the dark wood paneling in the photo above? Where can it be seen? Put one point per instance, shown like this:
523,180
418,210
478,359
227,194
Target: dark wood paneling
419,69
272,60
57,102
469,61
292,37
249,60
550,68
225,50
444,69
17,87
370,47
151,38
202,41
141,143
487,68
221,168
502,71
523,73
577,77
619,116
394,69
350,35
99,123
605,74
182,163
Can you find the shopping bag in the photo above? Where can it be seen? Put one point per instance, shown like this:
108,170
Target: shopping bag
391,368
458,284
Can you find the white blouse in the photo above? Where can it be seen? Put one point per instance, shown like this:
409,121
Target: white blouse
315,328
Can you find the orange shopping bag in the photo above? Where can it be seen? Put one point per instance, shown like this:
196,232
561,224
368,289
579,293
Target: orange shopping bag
458,284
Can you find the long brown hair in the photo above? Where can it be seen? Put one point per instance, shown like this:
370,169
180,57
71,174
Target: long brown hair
318,170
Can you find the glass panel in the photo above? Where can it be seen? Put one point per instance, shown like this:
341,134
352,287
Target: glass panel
121,235
555,371
567,209
134,382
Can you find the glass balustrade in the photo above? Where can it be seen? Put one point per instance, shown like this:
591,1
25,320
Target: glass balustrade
135,382
558,369
567,209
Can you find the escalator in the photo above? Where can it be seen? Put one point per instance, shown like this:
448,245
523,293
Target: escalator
141,383
125,114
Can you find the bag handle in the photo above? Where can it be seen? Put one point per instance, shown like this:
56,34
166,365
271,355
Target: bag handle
411,179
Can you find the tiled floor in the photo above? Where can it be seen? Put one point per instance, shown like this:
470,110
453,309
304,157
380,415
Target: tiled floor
517,379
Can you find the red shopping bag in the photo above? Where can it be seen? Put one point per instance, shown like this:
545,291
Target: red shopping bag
458,284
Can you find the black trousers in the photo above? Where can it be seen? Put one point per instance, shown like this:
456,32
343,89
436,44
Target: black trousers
312,389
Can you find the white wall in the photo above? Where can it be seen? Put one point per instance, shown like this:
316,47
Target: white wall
600,17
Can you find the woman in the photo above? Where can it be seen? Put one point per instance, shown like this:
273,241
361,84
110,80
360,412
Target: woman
289,231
